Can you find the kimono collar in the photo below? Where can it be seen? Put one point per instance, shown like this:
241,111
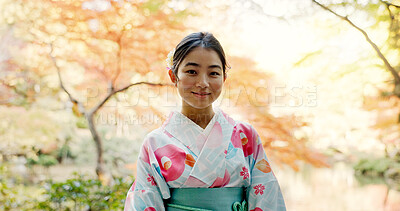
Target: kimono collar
188,122
191,134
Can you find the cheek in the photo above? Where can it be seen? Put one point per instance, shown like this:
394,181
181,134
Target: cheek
185,83
217,86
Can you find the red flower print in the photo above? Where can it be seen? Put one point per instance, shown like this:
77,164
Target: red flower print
150,209
244,173
257,209
241,138
151,180
171,160
259,189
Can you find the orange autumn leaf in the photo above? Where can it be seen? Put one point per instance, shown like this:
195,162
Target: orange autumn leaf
120,46
275,133
263,166
190,160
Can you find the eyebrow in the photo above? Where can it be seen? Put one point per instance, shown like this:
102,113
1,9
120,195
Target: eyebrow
197,65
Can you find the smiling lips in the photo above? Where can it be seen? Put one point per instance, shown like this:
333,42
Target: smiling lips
201,94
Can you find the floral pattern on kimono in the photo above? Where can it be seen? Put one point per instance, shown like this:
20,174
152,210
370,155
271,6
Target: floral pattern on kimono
180,154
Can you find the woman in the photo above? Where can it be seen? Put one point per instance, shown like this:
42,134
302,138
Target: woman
200,158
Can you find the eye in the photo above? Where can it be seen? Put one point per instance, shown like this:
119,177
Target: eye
191,72
214,73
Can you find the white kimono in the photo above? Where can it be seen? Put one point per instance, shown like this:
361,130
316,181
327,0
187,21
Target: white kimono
180,154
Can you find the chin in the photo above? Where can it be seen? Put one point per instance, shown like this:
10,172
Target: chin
197,105
200,106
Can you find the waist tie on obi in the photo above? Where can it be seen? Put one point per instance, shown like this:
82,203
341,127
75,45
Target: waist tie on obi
206,199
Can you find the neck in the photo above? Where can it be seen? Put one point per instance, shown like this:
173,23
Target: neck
199,116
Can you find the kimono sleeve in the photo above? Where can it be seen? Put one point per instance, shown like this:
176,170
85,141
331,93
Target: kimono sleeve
264,192
145,193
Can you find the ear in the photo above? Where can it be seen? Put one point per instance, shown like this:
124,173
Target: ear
172,76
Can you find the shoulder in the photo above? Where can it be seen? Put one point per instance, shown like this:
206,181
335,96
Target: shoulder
245,127
155,137
239,126
244,136
154,133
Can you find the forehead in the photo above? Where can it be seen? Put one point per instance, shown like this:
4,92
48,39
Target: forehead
204,56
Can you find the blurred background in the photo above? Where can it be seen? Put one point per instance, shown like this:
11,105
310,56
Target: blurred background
82,82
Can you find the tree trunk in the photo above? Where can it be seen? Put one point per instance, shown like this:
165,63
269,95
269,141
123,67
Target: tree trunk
103,175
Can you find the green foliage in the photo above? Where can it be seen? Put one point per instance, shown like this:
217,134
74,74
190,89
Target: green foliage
7,194
379,171
43,160
376,166
81,122
64,152
80,193
372,166
15,196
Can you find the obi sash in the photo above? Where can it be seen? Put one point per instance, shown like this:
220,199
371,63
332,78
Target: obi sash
206,199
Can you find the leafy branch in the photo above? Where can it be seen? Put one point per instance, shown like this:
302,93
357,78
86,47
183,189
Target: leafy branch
388,66
89,113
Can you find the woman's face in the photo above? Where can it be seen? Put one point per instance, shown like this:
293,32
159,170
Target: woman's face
200,78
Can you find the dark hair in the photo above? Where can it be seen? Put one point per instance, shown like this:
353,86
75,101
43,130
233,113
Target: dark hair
197,39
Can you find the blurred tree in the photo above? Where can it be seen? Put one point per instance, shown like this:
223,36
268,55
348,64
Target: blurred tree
36,127
247,95
89,51
378,14
392,16
98,49
249,90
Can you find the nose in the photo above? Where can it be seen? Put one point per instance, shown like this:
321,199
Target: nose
202,81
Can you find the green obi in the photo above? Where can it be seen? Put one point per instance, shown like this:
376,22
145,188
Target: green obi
206,199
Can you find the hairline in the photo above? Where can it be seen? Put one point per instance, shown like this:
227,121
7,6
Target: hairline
191,48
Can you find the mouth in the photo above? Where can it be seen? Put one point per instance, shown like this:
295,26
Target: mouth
201,94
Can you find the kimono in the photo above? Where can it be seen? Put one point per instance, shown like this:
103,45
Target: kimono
181,154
